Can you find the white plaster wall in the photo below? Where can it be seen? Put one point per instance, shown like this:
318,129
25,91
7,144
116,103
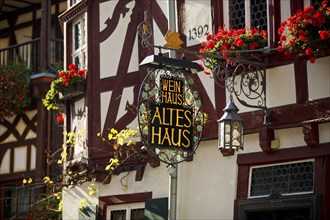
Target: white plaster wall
23,34
280,88
324,132
155,180
290,137
5,163
285,10
24,18
251,143
105,100
318,75
200,9
3,24
110,52
207,185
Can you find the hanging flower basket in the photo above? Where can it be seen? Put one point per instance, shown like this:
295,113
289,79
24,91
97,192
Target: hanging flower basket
233,43
14,89
75,90
306,33
70,83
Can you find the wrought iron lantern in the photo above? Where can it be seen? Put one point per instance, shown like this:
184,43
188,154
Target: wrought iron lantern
230,128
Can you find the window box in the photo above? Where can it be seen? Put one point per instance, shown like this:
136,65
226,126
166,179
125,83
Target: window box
75,90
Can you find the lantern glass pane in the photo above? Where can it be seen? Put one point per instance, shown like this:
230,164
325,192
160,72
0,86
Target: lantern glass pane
221,134
227,127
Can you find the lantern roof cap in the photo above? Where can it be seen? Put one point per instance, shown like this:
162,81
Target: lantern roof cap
230,112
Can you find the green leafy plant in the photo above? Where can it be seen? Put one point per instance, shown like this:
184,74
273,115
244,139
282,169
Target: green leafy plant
15,90
47,206
232,44
307,32
48,203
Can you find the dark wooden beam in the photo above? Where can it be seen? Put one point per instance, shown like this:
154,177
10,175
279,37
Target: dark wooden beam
283,155
296,5
287,116
300,72
227,152
139,172
45,34
311,133
266,135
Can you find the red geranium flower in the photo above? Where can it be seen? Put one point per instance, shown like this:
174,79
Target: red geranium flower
239,42
309,51
253,45
81,73
280,48
229,43
60,118
312,59
304,32
62,74
324,34
72,66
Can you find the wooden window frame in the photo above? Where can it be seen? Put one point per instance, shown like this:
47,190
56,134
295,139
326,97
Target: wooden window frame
105,201
321,154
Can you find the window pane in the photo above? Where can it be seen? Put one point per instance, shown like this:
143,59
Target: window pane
237,14
118,215
9,201
77,36
17,199
83,31
77,61
137,214
284,178
22,200
259,14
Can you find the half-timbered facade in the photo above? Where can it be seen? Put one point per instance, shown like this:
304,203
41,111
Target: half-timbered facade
283,169
29,33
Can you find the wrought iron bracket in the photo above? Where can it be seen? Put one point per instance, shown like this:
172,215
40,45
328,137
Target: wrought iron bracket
245,79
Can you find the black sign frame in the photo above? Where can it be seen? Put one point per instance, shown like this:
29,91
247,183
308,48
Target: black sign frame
170,114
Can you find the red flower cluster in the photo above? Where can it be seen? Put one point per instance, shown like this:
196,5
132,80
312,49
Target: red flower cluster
304,32
15,90
60,118
229,43
72,75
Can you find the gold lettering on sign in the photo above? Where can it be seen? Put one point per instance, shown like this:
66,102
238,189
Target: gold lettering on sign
171,123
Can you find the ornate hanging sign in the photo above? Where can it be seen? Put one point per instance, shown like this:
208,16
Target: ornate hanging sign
170,112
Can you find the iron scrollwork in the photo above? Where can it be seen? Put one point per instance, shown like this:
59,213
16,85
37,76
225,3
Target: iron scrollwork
244,78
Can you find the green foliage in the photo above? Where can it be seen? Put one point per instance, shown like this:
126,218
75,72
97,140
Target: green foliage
47,206
50,99
15,90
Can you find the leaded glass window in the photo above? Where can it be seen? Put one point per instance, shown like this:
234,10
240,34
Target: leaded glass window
290,178
250,14
17,200
137,214
131,211
259,14
237,14
118,215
